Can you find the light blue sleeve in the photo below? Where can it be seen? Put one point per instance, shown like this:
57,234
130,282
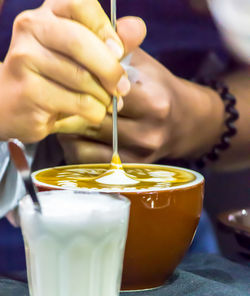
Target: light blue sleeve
11,186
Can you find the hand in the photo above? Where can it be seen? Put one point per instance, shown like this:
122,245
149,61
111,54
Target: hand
163,116
63,60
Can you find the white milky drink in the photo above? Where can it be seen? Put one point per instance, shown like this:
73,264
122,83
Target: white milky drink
76,247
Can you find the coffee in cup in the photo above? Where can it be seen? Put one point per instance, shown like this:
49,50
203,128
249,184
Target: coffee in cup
166,204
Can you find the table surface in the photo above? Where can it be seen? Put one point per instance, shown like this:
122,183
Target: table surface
198,275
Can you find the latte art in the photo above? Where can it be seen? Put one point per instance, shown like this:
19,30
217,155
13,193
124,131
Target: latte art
142,177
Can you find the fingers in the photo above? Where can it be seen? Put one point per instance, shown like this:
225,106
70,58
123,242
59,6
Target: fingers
64,71
54,99
91,14
142,138
78,43
132,31
101,133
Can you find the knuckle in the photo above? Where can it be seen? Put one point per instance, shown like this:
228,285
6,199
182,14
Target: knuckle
74,6
25,91
160,105
151,141
112,69
82,76
19,57
40,124
23,20
83,102
27,88
103,29
112,74
90,108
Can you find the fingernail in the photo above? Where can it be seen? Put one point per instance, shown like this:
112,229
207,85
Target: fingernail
116,49
120,104
123,86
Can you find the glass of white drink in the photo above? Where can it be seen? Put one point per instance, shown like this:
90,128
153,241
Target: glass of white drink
76,246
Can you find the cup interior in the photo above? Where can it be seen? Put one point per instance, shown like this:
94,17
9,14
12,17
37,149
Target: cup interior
198,179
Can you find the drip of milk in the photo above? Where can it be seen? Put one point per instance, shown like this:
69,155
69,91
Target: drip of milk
116,174
116,177
76,246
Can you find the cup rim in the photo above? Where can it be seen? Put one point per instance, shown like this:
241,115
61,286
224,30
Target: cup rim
125,202
199,179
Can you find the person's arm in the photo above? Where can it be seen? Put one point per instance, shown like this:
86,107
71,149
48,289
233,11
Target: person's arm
238,156
166,116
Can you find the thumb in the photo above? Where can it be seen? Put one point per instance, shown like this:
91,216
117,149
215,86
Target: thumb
132,31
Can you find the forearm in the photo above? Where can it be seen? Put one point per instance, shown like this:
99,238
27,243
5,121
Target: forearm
237,156
203,122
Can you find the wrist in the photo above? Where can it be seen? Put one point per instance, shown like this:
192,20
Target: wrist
214,120
204,119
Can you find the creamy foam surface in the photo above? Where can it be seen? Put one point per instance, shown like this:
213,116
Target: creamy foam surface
98,177
67,206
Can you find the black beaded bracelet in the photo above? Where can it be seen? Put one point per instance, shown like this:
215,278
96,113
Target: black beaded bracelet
229,102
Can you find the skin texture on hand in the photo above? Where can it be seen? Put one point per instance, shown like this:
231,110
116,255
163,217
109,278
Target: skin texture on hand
62,62
163,115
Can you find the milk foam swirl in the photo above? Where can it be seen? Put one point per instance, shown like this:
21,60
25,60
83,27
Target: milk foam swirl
136,177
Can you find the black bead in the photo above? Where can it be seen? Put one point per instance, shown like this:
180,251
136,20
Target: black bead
223,145
233,115
232,130
229,98
214,155
225,137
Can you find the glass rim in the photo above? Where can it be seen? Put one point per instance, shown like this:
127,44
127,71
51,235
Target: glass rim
116,196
